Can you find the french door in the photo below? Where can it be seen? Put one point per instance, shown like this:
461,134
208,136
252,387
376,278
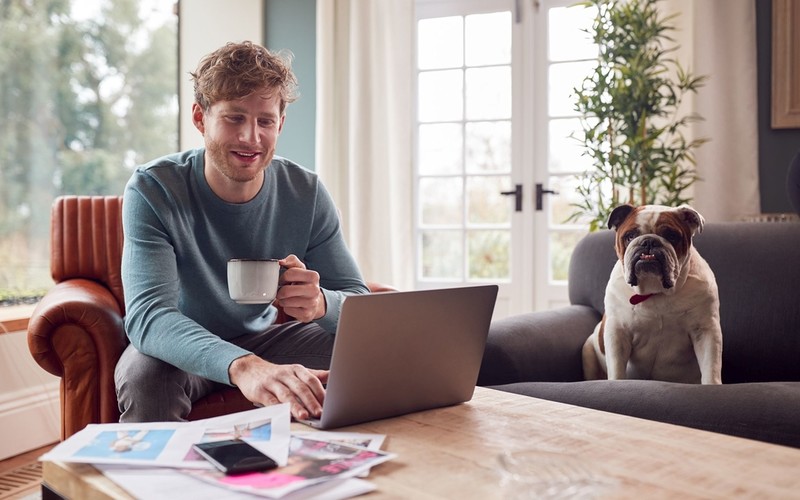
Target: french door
494,164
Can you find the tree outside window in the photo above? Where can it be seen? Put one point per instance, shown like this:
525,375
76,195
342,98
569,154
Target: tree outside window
88,90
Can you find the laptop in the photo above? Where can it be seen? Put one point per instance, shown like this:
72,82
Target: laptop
401,352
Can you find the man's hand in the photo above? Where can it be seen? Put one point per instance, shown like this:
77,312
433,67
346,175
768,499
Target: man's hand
299,294
266,383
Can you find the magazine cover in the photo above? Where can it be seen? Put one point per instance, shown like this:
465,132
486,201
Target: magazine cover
167,484
169,444
310,462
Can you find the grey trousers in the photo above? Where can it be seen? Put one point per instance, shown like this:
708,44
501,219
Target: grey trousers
151,390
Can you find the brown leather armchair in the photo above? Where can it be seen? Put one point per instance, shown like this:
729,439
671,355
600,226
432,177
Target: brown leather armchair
76,331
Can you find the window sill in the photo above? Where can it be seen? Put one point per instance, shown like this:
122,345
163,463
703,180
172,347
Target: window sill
15,318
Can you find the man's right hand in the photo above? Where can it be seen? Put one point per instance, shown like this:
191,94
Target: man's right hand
266,383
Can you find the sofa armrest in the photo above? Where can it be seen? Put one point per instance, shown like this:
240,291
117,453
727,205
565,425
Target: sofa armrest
542,346
76,332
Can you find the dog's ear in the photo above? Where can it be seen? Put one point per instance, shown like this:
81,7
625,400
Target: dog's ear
692,218
618,216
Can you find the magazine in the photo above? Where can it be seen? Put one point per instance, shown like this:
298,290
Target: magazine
169,484
169,444
311,462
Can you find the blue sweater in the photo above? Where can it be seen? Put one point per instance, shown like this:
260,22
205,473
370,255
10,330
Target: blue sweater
179,236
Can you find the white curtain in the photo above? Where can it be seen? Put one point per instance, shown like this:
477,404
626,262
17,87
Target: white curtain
718,39
364,127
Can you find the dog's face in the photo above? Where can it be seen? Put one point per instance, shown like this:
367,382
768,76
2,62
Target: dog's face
654,242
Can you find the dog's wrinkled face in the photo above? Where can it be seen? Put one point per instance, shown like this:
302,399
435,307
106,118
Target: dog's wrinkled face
653,242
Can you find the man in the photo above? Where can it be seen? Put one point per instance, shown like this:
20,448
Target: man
185,215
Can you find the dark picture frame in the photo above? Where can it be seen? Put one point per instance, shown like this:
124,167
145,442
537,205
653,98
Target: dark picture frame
785,64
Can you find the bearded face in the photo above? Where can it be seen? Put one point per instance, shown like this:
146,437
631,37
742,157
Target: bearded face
240,138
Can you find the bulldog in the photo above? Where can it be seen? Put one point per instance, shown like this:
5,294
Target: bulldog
661,316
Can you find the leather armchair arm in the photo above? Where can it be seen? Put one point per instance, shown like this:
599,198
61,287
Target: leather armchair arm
375,287
542,346
76,332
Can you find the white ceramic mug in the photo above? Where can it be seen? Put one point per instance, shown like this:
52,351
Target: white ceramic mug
253,281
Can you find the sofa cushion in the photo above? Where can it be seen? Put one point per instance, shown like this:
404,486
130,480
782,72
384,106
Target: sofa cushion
590,268
763,411
757,266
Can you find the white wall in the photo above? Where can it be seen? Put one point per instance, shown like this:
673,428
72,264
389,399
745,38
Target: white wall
205,26
29,404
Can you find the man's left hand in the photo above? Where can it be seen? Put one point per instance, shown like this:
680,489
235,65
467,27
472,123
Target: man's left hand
299,294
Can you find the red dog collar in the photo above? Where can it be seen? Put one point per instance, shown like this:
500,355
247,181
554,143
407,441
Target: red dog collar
636,299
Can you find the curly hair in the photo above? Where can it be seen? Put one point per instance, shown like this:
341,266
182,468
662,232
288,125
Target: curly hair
236,70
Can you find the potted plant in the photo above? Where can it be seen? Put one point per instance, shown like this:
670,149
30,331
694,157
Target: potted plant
630,113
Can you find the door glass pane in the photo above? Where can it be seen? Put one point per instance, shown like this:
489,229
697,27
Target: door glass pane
562,206
488,147
489,254
563,78
484,203
441,200
567,40
488,39
442,255
440,148
440,96
489,93
447,35
565,150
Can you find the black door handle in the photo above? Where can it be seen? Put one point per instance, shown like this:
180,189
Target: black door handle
540,192
517,194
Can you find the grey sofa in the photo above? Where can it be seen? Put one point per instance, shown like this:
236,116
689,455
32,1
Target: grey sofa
757,266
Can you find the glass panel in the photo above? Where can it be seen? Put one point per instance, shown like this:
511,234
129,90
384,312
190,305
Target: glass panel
561,247
489,254
87,91
441,200
439,43
489,93
485,204
442,255
563,78
488,39
440,148
565,152
567,38
440,96
562,205
488,146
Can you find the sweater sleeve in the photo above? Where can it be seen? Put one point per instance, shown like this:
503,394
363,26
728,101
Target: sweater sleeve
154,323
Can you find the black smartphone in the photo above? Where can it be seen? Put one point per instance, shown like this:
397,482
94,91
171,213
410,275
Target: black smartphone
234,456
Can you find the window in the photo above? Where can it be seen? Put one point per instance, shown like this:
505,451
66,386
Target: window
571,55
496,156
464,147
88,90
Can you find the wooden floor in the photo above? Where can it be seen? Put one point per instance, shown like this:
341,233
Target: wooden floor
20,476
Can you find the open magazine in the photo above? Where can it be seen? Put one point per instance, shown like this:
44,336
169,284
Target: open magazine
156,460
168,484
311,461
169,444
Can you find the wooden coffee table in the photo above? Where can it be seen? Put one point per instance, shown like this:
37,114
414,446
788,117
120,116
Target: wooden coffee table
451,453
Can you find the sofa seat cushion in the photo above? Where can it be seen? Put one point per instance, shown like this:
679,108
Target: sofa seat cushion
765,411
